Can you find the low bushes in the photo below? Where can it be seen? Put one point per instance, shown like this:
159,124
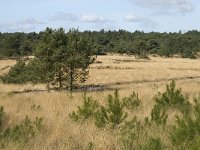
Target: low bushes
16,74
169,101
153,144
145,134
21,133
132,102
2,113
86,111
151,132
112,113
173,98
22,73
186,133
130,134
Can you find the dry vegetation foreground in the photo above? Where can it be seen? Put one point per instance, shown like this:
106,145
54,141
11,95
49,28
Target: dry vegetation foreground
146,77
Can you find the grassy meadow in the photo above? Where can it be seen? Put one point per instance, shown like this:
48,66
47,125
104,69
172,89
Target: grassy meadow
126,73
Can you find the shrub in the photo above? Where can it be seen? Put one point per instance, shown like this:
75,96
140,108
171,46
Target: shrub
74,116
90,146
113,113
132,102
21,133
173,98
158,116
130,134
134,134
195,144
187,129
101,117
16,74
87,110
22,73
25,130
183,132
153,144
2,113
115,109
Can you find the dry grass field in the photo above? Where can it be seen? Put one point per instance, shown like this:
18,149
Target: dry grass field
146,77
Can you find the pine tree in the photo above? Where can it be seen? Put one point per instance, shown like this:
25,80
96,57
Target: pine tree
44,53
64,58
77,59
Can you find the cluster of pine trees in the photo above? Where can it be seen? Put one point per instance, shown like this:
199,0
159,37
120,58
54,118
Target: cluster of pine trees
121,41
61,61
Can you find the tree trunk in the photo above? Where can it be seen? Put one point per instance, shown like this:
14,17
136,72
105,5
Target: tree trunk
71,80
48,87
60,79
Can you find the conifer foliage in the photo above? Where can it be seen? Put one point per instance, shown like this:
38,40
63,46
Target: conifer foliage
61,61
112,113
66,57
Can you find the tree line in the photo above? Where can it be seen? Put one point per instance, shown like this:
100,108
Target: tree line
62,58
136,43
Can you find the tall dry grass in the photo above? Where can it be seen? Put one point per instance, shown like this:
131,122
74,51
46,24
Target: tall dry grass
62,133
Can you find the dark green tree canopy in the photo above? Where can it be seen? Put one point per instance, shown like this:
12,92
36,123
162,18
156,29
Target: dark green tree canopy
61,61
121,41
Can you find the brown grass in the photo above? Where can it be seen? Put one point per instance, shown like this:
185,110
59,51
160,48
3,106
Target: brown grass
62,133
5,64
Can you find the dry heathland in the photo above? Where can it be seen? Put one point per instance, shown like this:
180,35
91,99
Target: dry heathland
145,77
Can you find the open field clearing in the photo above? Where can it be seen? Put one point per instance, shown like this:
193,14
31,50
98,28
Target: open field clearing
126,71
146,77
118,69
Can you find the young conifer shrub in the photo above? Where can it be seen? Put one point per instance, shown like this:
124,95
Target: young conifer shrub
113,113
186,132
90,146
101,117
26,130
153,144
21,133
115,109
2,114
16,74
158,116
74,116
131,132
132,102
173,98
86,111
